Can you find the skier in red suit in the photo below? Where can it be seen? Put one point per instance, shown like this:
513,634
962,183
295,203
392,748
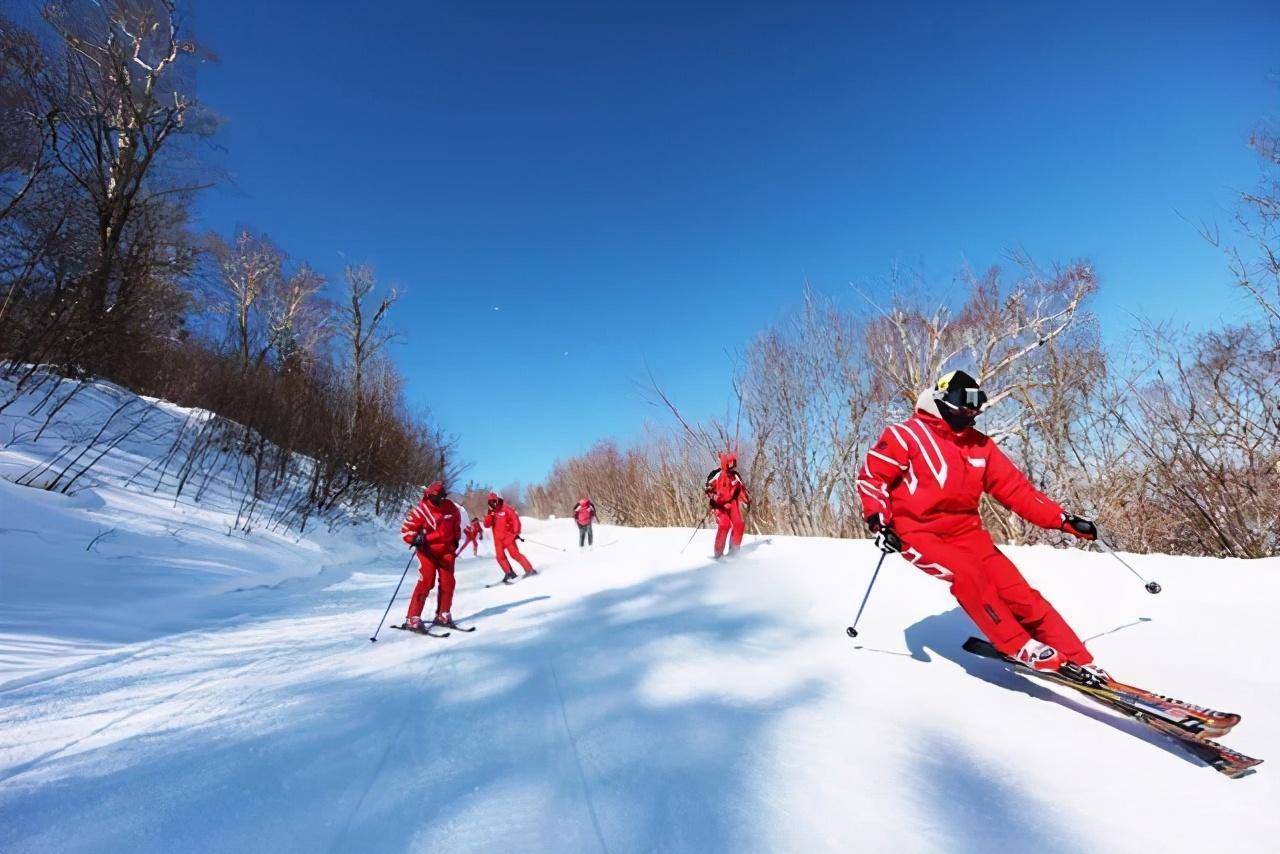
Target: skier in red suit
726,493
474,534
433,528
920,488
505,522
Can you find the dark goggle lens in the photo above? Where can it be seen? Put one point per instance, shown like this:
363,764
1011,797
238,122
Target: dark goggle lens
967,401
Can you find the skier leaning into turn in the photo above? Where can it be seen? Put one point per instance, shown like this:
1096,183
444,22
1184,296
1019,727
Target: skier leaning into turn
920,489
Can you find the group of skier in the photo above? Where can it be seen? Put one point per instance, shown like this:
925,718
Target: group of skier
438,530
435,530
920,486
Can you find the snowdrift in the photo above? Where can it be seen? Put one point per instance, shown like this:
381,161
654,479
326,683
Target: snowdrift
124,556
172,687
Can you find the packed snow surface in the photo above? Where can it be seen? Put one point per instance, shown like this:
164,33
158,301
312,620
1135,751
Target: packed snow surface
171,686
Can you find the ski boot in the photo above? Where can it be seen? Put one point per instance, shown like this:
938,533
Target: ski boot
529,572
508,578
414,624
1039,656
444,619
1096,673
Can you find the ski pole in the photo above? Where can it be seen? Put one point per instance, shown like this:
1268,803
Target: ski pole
536,543
696,529
374,639
852,631
1153,587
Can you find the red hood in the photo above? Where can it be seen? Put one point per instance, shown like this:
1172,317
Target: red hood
940,426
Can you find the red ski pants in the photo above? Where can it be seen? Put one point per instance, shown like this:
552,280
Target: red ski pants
728,518
431,565
989,588
473,542
502,548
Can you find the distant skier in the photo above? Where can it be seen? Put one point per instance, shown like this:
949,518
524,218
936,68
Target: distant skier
920,489
726,493
584,513
474,534
433,529
505,522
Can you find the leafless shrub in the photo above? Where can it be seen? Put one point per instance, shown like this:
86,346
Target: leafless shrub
1202,472
816,387
808,400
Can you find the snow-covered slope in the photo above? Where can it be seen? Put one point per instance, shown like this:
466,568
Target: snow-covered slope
125,556
628,699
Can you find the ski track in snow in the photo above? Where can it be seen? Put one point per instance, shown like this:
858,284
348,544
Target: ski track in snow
176,688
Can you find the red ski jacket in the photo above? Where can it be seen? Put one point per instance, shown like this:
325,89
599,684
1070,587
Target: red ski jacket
505,523
584,512
724,488
441,523
474,531
923,476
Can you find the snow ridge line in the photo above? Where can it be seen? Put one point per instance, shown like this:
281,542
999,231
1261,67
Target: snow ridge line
122,655
577,759
38,761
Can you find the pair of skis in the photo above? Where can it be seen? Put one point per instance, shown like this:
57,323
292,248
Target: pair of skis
1192,727
508,580
426,629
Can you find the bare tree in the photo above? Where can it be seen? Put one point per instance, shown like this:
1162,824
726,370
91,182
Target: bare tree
363,329
25,129
814,388
298,321
250,269
1257,271
807,399
121,98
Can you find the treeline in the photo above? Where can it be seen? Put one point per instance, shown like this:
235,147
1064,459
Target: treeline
1173,444
103,150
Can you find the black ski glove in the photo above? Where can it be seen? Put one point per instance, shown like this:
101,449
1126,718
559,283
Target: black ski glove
1082,528
887,539
419,541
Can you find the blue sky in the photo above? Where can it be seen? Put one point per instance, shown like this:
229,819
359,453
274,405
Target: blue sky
649,184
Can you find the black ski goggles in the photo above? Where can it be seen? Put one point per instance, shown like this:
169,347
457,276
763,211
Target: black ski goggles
970,400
